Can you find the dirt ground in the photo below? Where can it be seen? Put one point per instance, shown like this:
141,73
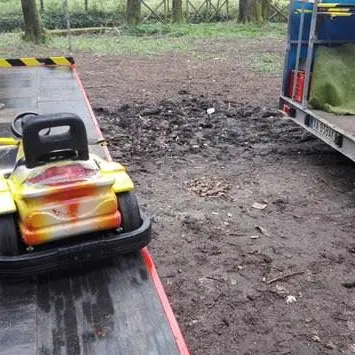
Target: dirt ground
253,218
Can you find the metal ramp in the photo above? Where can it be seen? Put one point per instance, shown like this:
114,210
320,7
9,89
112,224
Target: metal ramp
120,308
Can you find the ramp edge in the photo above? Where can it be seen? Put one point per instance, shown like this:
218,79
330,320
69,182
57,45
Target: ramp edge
148,259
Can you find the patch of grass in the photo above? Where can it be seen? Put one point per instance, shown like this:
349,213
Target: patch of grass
144,39
267,63
12,45
123,44
212,30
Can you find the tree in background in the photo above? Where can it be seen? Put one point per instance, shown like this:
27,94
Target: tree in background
177,11
133,12
34,31
253,11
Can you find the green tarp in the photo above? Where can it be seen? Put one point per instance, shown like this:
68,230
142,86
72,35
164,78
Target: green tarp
333,80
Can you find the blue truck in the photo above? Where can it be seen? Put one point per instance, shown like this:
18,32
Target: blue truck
318,86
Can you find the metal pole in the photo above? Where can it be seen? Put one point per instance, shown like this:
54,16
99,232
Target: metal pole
298,54
312,38
67,17
287,54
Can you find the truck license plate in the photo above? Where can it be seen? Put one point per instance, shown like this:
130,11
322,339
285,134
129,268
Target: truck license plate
324,129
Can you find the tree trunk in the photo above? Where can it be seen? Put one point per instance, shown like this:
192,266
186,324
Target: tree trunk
253,11
265,8
34,31
177,11
133,12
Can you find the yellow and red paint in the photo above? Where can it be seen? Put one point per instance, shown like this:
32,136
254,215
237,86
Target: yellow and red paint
79,208
64,199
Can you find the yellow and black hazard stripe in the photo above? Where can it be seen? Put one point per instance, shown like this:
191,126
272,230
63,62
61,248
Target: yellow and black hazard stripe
35,62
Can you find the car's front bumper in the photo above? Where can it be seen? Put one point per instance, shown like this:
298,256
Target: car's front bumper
72,255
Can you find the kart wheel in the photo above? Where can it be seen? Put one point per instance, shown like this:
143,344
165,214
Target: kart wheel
128,206
9,245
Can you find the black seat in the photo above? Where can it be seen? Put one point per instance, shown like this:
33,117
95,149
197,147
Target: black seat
39,148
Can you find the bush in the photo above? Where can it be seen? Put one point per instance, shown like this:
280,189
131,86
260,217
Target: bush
11,23
56,20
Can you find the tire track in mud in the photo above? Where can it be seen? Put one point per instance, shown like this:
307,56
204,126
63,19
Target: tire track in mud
180,127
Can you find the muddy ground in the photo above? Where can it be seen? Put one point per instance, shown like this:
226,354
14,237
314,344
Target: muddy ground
253,218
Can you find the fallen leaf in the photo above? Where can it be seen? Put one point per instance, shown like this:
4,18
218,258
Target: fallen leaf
209,187
255,237
263,231
281,290
290,299
259,206
316,338
330,345
351,325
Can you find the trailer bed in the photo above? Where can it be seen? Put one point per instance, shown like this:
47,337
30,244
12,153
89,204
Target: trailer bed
345,123
335,130
312,25
116,308
111,310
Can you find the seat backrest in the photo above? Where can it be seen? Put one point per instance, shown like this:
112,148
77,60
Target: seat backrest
39,148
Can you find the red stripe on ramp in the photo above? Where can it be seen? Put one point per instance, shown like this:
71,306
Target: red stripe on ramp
145,253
